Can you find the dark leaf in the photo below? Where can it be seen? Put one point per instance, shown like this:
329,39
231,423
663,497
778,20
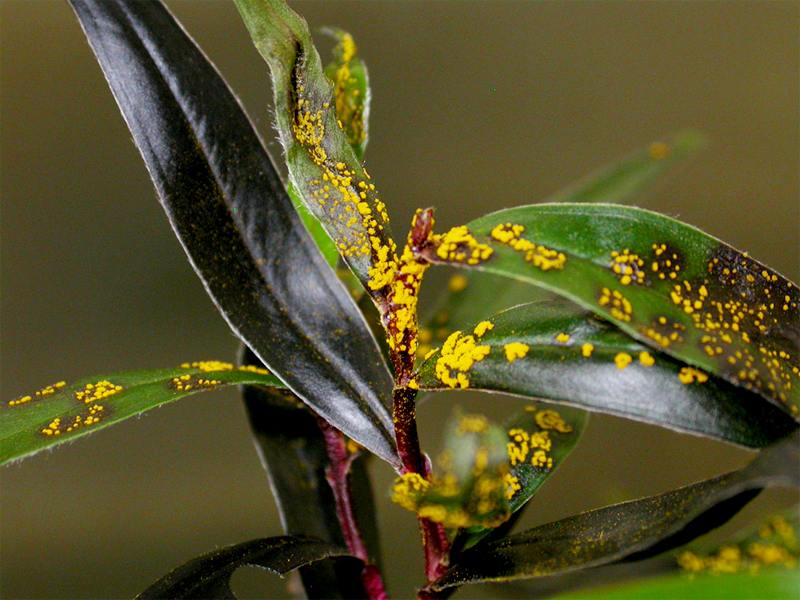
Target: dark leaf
664,282
634,530
293,452
229,208
558,351
209,575
63,412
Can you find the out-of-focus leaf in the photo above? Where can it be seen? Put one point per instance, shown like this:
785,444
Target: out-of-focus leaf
620,181
351,90
209,575
539,439
322,165
767,583
293,452
63,412
662,281
230,211
634,530
558,351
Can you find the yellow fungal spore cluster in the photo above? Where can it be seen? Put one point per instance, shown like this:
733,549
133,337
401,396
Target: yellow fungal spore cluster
458,245
619,306
349,107
689,375
550,419
622,360
741,310
184,383
208,366
46,391
407,490
628,268
457,356
515,350
538,255
254,369
97,391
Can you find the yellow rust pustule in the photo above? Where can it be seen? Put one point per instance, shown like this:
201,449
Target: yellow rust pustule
539,256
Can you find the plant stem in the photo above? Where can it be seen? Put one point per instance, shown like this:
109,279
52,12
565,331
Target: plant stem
337,474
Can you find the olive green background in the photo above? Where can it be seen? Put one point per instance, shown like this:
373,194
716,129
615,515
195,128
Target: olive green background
476,106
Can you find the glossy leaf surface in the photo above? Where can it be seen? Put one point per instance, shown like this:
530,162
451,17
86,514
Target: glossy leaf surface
209,575
662,281
633,530
558,351
292,450
230,211
323,166
63,412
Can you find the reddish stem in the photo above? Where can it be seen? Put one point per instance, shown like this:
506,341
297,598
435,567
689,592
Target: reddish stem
337,474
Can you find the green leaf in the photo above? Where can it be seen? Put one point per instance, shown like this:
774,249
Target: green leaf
209,575
351,90
236,222
767,583
619,182
63,412
663,282
560,352
537,429
292,449
323,166
634,530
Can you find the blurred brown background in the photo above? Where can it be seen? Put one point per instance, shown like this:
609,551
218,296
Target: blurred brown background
477,106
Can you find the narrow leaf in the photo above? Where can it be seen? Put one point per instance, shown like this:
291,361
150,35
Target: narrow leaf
209,575
558,351
322,164
351,90
620,181
539,440
664,282
633,530
231,212
63,412
293,452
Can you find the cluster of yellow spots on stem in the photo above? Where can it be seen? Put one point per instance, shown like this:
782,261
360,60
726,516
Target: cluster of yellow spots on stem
689,375
562,338
457,356
458,245
538,255
619,306
45,391
587,349
97,391
515,350
627,267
